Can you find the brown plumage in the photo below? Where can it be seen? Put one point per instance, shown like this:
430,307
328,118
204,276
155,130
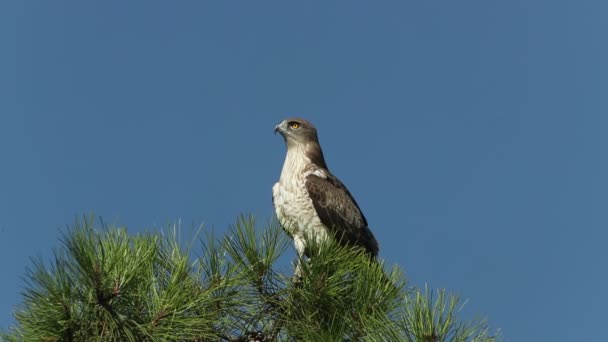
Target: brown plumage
309,199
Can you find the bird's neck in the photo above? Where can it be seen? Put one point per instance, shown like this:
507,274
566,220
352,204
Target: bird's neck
301,158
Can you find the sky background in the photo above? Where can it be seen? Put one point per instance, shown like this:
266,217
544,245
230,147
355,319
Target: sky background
472,133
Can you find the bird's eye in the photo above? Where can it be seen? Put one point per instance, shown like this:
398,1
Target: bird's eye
294,125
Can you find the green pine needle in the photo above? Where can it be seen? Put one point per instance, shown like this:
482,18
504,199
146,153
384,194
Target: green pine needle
103,284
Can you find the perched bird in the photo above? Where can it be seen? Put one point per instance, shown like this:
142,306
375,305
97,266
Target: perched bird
309,200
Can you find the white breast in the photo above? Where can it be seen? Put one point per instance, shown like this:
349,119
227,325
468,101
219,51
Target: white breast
293,206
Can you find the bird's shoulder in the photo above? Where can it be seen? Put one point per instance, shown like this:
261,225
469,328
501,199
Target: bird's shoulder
323,180
332,199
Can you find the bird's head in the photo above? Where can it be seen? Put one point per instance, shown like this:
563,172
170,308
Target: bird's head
301,136
297,131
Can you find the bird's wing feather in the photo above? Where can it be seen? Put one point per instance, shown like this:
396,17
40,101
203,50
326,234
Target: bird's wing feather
339,212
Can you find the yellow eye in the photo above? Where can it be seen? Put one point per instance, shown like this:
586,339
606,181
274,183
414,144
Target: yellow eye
294,125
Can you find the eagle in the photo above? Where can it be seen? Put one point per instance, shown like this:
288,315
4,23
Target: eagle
310,201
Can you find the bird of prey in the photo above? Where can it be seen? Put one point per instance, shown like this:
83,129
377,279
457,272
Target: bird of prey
310,201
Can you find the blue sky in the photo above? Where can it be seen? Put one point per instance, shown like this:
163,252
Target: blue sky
472,133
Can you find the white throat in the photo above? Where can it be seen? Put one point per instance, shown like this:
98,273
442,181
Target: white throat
295,164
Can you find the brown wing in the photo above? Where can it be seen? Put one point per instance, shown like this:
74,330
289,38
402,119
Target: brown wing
339,212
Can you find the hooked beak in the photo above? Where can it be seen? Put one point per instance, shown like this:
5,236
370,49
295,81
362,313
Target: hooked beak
278,128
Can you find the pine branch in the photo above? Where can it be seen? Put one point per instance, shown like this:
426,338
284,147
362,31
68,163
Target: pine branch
104,284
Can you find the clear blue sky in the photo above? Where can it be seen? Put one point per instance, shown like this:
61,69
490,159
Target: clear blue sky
472,133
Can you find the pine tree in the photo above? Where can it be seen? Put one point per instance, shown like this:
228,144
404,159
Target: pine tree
103,284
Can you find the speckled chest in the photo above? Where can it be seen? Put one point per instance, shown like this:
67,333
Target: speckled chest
293,205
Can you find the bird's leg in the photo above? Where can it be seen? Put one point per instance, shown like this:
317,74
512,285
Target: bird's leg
299,245
297,275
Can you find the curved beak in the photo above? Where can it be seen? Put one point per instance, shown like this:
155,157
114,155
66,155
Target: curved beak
278,128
